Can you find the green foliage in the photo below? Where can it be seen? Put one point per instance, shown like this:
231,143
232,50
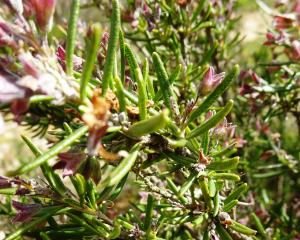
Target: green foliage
148,149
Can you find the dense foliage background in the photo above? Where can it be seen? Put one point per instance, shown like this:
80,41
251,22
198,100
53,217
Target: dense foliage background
167,119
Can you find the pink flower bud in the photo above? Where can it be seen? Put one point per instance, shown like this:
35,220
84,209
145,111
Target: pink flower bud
210,81
296,49
273,38
44,10
283,22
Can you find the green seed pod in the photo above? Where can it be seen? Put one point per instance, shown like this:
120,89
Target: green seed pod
227,207
212,122
224,164
236,193
112,46
148,126
241,228
211,98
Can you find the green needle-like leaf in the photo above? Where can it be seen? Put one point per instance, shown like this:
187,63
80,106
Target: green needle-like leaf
92,50
138,77
52,152
112,46
241,228
123,168
148,126
212,122
236,193
224,165
71,36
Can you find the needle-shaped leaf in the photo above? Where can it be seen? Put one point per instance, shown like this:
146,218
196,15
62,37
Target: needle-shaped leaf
236,193
71,35
149,213
226,176
228,206
122,55
241,228
91,49
212,122
222,232
259,226
53,178
123,168
112,46
120,94
52,152
224,165
163,79
216,204
26,227
149,125
138,77
188,183
148,80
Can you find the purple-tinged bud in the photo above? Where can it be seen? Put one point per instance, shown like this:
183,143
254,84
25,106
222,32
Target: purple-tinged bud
25,212
6,38
5,182
44,10
70,162
210,81
224,130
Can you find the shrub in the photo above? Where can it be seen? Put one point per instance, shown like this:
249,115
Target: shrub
142,141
